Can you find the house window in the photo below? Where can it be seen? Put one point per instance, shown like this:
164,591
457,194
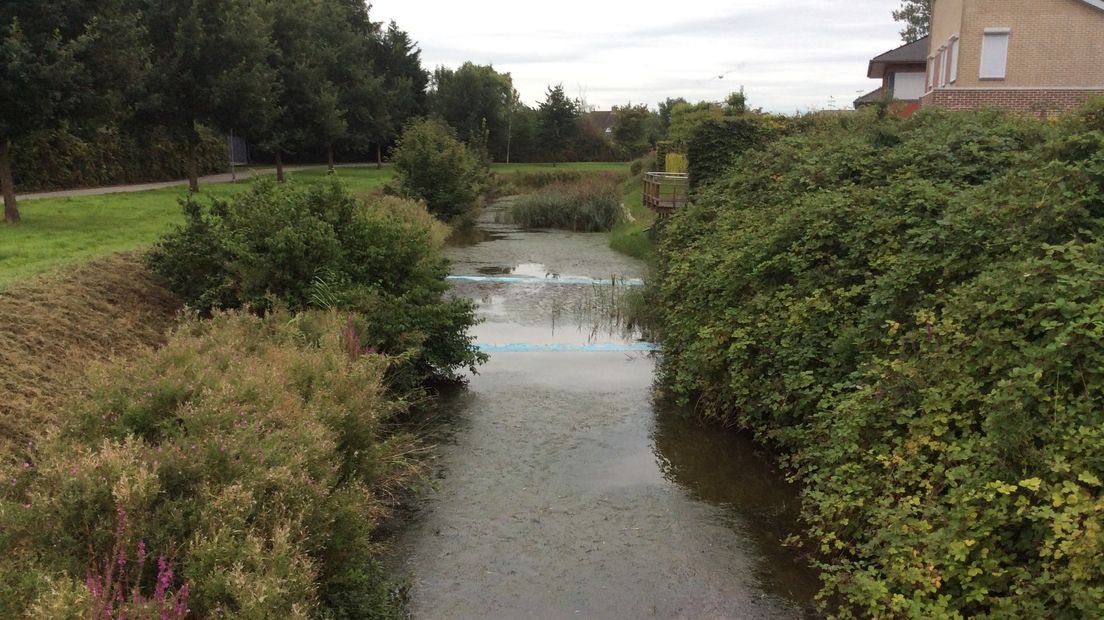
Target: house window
954,59
994,53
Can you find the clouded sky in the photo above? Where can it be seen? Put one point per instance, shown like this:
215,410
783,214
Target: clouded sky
790,55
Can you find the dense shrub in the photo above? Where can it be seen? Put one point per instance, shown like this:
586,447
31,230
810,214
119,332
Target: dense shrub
911,311
318,246
435,167
591,204
249,452
60,158
647,163
716,143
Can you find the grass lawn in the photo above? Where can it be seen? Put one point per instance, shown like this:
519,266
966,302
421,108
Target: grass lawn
61,231
632,237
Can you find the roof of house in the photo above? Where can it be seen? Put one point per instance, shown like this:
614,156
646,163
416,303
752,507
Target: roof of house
602,119
1097,3
875,96
915,52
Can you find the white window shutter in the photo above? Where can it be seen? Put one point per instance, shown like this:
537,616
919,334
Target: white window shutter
942,67
954,59
994,53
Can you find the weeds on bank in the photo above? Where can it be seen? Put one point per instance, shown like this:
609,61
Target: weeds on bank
588,204
254,451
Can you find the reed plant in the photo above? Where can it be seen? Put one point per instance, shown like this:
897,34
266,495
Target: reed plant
589,204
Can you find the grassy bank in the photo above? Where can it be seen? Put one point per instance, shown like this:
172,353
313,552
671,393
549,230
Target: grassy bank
250,455
57,324
631,236
242,469
61,231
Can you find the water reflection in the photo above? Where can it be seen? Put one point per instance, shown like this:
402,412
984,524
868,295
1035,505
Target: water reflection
470,235
728,469
532,312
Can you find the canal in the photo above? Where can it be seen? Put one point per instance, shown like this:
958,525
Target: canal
565,489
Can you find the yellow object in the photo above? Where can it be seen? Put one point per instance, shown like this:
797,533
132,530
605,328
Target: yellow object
676,162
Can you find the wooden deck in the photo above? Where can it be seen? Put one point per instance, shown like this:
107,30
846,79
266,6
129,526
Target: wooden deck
664,192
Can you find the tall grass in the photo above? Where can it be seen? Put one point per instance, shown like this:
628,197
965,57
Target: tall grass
588,204
55,324
251,452
527,182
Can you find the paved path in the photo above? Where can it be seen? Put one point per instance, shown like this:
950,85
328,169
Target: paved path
207,180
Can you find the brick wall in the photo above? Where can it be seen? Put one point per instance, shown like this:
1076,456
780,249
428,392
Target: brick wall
1039,102
1053,43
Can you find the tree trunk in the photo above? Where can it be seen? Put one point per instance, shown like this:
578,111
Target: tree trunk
330,157
379,156
193,167
7,185
279,166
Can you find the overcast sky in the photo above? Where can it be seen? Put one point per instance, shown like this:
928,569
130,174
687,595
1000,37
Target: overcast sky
790,55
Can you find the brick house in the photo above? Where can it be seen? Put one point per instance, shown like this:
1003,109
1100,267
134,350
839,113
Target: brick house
902,72
1039,57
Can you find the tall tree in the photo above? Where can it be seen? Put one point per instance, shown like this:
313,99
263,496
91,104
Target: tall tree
306,109
351,38
61,60
632,126
475,101
916,17
210,65
558,126
398,62
665,108
687,117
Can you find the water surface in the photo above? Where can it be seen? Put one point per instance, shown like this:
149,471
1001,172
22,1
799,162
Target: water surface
565,491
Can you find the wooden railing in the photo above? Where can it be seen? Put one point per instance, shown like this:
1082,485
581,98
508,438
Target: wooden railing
665,191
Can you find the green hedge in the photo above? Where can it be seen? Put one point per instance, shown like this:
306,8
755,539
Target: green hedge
716,143
911,311
66,159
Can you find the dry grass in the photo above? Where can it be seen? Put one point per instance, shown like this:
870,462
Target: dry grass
57,323
412,212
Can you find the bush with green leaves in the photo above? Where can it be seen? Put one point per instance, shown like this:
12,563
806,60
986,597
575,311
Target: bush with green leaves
252,453
911,311
435,167
318,246
716,143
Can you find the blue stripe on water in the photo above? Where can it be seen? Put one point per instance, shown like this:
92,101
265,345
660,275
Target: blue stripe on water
532,280
602,347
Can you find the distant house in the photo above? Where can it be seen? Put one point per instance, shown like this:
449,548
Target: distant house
602,120
902,72
1032,56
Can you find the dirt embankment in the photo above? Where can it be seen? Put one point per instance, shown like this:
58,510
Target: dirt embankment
53,326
